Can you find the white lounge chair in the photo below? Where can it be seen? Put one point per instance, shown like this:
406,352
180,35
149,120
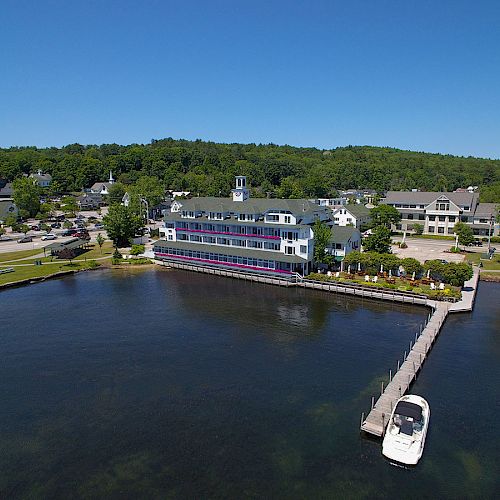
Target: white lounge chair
375,279
329,274
367,278
433,286
441,286
337,274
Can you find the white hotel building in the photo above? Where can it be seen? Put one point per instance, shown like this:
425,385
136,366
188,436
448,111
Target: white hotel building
262,235
439,212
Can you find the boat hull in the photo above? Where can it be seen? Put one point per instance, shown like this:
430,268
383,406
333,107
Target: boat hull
400,446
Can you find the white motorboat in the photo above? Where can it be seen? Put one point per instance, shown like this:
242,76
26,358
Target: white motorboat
406,431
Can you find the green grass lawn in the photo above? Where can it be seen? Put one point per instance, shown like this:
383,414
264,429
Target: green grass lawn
21,254
491,265
27,272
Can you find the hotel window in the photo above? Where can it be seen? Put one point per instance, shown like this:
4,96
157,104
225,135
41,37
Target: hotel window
443,206
272,218
409,216
421,216
432,217
170,237
467,208
451,230
289,250
431,229
441,230
288,219
451,218
303,249
442,218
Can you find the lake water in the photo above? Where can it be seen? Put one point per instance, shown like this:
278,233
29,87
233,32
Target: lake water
170,384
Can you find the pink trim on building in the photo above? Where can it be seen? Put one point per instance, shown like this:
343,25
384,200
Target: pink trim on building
227,233
232,264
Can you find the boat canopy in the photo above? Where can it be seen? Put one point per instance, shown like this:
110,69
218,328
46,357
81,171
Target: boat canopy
408,409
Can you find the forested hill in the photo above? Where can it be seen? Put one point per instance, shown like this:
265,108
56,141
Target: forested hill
208,168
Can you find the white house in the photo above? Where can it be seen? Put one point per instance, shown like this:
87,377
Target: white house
43,180
264,235
351,215
344,240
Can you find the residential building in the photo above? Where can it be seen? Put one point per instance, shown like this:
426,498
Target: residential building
439,212
5,189
344,240
263,235
360,196
339,201
103,187
43,180
351,215
7,207
90,201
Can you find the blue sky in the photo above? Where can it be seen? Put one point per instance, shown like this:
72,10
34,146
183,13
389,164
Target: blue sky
421,75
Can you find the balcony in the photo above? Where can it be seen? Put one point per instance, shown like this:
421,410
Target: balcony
203,231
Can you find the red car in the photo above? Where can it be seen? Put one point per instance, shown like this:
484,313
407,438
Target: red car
84,235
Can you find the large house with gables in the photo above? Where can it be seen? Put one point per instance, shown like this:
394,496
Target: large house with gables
439,212
262,235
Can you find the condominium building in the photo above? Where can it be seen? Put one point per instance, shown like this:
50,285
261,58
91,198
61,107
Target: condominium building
265,235
439,212
355,215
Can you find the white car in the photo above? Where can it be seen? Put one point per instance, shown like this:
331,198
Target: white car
48,237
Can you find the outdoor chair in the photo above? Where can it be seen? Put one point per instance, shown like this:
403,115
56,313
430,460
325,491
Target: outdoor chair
367,278
375,279
433,286
337,274
441,286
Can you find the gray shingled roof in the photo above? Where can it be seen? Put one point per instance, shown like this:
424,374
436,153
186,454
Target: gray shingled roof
233,251
343,233
299,207
357,210
487,209
426,197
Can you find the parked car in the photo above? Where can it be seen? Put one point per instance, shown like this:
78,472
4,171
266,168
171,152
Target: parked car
98,225
56,225
25,239
35,227
4,237
48,237
69,232
84,235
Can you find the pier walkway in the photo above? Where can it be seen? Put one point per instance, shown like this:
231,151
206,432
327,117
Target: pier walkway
378,417
406,373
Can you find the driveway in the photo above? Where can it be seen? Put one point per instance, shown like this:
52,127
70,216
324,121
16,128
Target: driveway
423,250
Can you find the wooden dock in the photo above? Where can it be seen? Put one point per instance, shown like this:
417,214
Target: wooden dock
414,358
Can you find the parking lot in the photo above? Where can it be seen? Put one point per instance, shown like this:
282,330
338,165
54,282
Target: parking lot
422,250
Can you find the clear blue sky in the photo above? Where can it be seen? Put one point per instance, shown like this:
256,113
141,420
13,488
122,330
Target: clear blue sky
413,74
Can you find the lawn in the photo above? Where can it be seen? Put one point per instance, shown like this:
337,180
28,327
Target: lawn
21,254
27,272
491,265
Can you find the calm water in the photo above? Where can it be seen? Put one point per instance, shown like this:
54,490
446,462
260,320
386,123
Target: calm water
177,385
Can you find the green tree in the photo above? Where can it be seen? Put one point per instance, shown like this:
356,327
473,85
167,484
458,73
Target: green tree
10,221
379,241
412,266
137,249
67,224
322,236
26,195
148,188
121,224
100,239
69,204
2,231
115,193
23,228
418,228
465,234
384,215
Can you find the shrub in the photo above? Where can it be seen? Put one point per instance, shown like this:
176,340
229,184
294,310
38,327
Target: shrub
92,264
117,255
137,249
403,245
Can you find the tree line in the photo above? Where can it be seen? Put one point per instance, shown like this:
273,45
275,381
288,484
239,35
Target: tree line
208,168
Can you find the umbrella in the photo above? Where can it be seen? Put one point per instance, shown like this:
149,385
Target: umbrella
428,273
390,273
381,268
349,268
413,275
359,266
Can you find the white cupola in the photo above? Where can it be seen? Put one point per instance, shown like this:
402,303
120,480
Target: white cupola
241,193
